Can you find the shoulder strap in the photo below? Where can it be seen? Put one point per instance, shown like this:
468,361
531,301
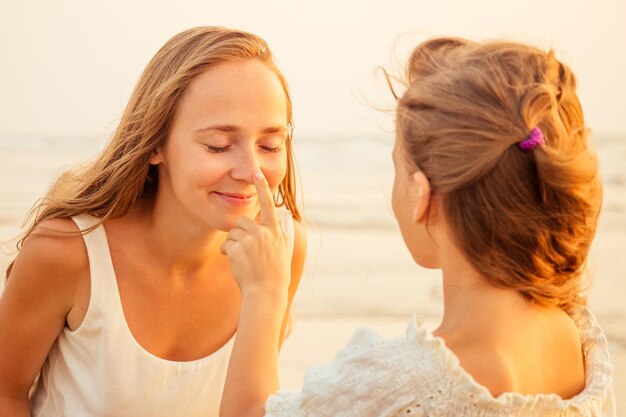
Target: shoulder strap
101,272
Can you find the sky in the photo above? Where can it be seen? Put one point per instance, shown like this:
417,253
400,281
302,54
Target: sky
68,67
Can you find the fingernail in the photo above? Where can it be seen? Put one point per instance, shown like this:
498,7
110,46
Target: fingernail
258,175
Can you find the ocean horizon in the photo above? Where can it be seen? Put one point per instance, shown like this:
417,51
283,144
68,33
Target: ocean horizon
345,182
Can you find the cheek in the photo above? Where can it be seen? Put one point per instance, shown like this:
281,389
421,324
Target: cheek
274,170
184,166
199,171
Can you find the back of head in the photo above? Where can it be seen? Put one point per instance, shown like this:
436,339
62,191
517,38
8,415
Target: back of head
524,219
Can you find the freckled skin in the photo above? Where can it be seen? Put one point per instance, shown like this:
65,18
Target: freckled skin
246,103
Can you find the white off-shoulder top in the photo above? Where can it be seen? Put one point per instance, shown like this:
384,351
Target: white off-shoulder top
417,375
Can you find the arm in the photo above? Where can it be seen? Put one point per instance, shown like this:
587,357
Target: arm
255,347
297,266
33,308
253,368
259,257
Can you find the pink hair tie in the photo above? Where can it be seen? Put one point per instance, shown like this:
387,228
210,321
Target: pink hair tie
535,138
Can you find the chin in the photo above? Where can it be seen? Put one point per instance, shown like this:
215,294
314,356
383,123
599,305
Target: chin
225,228
214,222
229,222
226,225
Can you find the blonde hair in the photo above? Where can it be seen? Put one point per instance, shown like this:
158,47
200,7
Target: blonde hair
121,175
525,220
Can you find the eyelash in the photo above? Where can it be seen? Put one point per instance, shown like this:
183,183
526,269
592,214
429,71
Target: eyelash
217,149
272,150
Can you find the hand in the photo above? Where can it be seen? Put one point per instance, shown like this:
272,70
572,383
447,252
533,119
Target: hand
258,252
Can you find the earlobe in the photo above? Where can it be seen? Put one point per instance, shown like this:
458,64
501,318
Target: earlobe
155,157
421,187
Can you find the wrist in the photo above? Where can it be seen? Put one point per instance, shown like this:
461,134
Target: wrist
264,302
261,295
263,312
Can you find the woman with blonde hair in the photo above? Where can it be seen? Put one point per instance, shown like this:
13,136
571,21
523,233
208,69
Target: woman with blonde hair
119,302
497,186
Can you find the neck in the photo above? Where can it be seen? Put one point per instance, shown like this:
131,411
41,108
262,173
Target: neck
471,302
181,244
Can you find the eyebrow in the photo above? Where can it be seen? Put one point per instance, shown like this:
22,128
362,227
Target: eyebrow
233,128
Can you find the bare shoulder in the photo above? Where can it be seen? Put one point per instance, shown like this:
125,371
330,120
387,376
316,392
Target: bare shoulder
55,228
538,354
53,258
49,275
299,255
487,365
56,244
299,244
297,266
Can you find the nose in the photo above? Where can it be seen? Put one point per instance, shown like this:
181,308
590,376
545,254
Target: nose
245,164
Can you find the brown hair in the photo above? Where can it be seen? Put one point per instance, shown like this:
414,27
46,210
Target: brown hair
524,219
121,175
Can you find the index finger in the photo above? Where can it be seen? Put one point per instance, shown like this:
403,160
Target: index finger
266,200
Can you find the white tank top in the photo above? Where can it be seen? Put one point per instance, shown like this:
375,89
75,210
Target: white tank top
100,369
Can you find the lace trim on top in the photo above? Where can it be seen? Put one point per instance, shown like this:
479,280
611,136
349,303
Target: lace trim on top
418,373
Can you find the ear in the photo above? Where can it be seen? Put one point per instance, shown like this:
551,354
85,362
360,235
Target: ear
420,192
156,157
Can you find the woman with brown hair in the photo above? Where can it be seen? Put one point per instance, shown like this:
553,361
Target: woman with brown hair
496,185
119,302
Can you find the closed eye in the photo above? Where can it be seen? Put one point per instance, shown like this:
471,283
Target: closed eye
217,149
272,149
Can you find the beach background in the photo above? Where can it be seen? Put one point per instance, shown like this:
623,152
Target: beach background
68,69
358,272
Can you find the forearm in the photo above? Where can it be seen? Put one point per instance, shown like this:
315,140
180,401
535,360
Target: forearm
253,369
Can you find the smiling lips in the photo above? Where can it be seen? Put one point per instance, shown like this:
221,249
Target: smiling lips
237,199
